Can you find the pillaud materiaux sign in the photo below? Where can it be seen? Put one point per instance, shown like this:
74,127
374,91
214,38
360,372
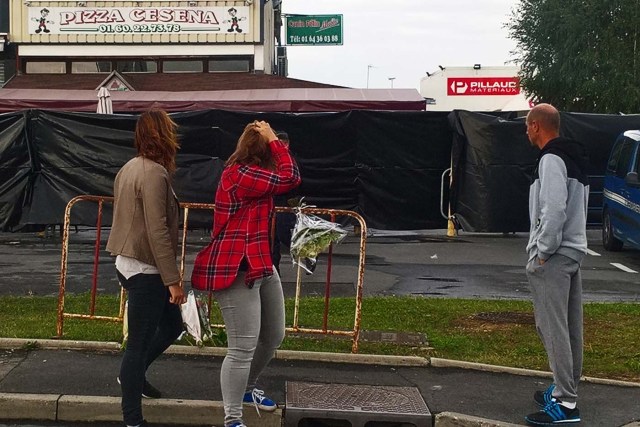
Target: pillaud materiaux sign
465,86
138,20
313,30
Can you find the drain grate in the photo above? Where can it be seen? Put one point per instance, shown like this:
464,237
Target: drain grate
359,404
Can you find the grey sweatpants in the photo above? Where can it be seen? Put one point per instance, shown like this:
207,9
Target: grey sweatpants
557,302
254,321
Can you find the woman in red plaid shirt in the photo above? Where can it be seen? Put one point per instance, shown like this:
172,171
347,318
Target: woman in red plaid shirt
237,264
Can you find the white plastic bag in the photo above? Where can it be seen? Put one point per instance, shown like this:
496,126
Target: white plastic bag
195,316
311,236
190,317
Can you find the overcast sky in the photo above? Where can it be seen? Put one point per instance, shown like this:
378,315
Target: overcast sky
402,39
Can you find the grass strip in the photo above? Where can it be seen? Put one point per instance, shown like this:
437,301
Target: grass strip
500,332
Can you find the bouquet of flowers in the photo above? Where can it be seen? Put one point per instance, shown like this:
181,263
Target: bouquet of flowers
311,236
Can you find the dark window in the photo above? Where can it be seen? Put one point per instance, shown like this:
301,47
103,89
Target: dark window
229,65
626,151
139,66
4,17
615,154
87,67
46,67
182,66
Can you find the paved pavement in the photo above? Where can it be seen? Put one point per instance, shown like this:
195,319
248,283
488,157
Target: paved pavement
75,386
426,263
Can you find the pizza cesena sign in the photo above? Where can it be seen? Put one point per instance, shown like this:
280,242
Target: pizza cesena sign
465,86
138,20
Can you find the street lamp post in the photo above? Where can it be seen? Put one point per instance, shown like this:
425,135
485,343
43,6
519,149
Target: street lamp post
369,67
391,79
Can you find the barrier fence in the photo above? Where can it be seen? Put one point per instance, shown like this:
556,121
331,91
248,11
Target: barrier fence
333,214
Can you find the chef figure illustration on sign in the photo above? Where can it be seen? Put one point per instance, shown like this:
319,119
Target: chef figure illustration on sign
233,12
43,21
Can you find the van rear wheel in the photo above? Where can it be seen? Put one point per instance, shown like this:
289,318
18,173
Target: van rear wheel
609,241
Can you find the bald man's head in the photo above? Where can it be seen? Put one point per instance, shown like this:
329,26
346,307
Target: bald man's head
543,124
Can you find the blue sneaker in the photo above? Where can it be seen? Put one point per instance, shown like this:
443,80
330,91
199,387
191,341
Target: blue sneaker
257,398
543,398
237,424
552,414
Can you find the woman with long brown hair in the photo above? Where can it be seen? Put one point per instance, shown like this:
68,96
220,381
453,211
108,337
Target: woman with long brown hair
237,265
144,239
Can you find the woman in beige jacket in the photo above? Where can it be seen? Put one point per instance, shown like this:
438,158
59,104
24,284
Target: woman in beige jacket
144,239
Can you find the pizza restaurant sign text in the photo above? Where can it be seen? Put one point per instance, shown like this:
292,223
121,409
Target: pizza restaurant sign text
457,86
66,20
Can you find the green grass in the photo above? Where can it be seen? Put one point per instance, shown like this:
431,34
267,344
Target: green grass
486,331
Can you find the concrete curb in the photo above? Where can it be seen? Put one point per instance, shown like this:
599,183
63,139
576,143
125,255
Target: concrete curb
453,419
446,363
22,406
69,408
25,343
367,359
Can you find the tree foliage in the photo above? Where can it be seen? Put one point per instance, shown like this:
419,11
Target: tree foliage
579,55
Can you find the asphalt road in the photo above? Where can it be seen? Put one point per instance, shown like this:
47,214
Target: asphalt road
424,264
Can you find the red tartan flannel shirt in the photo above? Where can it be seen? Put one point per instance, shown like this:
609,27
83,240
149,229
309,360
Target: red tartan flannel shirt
244,205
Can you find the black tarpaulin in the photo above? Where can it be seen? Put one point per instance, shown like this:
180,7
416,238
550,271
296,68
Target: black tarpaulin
387,166
493,164
384,165
15,168
400,161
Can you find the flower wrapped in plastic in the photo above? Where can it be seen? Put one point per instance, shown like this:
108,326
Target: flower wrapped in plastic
311,236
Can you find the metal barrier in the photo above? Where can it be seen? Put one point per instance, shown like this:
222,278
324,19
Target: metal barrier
332,213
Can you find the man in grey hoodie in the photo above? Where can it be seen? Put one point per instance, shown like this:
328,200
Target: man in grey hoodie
557,244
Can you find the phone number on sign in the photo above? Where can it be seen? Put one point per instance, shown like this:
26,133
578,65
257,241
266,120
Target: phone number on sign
142,28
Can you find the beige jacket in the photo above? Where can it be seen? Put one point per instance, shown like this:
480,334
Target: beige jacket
145,217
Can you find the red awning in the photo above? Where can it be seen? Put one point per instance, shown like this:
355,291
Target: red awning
282,100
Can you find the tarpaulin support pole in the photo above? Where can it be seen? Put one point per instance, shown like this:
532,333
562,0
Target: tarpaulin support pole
96,259
451,226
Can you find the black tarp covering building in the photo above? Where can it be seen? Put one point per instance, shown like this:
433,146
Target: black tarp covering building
493,162
384,165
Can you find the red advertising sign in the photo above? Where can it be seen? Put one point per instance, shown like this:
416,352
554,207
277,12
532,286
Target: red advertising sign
466,86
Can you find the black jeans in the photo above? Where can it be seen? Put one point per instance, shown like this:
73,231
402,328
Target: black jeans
282,240
154,324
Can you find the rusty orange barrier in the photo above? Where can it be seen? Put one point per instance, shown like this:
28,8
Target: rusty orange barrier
332,213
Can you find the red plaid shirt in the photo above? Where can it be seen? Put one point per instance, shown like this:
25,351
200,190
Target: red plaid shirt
244,205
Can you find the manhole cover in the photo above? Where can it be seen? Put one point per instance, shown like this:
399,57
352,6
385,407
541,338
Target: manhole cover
355,398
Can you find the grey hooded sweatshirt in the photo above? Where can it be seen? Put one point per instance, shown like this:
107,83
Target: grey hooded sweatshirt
558,199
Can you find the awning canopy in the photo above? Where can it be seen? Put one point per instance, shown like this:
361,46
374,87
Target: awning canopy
282,100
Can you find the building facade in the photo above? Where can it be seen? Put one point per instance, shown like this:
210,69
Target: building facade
72,38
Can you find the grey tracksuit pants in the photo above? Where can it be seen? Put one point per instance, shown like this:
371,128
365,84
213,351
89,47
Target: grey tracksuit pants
254,321
556,287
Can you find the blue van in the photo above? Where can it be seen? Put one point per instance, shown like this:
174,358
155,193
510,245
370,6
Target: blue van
621,201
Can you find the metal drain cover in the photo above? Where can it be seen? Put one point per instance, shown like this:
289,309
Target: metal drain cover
355,402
